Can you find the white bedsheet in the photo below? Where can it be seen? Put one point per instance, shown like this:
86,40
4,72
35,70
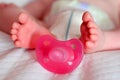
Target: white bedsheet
21,64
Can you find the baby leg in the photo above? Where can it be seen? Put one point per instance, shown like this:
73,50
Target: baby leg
38,8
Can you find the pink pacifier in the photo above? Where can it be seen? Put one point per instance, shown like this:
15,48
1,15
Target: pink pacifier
59,56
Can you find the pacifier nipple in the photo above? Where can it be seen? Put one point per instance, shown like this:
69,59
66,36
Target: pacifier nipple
59,54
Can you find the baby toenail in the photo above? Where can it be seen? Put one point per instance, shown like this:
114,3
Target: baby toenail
17,43
14,37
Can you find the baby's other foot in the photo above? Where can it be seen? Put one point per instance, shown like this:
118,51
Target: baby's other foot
4,5
8,14
26,31
92,36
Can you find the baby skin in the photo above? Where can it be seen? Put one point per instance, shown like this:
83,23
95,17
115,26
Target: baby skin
25,30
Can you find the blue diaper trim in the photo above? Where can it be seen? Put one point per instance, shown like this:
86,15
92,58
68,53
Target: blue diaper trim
83,6
68,26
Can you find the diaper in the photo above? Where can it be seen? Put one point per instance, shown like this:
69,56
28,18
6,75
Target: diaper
65,18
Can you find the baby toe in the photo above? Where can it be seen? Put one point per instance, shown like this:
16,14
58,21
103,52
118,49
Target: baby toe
93,31
17,43
23,17
89,44
91,24
87,17
93,37
15,25
13,31
14,37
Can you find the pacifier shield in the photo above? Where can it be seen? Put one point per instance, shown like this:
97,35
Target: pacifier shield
59,56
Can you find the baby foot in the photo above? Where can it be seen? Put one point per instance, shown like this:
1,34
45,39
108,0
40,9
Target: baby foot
4,5
92,36
26,31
